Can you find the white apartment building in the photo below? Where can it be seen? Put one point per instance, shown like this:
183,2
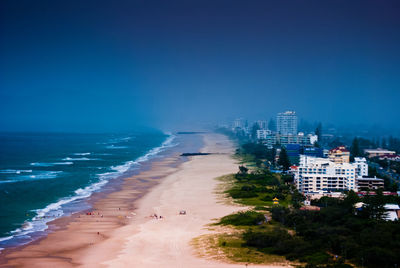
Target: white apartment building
262,134
286,123
270,139
320,175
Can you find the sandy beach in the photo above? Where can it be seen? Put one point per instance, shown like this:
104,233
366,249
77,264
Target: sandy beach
121,232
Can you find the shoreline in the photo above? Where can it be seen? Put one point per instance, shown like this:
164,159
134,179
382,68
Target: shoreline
113,185
127,235
84,200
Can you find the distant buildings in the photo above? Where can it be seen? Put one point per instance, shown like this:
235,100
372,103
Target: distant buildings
262,124
339,155
239,123
378,152
316,175
273,139
286,123
262,134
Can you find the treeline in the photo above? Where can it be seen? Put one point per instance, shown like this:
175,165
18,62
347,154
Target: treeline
335,236
338,233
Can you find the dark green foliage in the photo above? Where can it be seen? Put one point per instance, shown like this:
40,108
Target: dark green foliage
287,178
284,159
361,238
239,193
258,150
243,170
247,218
318,132
355,148
279,241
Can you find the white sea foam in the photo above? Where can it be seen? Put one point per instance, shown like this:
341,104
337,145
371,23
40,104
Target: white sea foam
78,159
15,171
127,165
82,153
52,164
38,175
42,175
42,164
54,210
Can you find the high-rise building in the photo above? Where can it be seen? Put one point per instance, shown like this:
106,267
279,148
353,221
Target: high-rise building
286,123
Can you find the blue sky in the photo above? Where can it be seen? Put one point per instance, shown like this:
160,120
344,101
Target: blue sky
117,65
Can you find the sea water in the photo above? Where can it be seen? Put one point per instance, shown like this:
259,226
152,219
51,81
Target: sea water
44,176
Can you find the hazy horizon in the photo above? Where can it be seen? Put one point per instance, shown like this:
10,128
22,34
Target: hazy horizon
101,66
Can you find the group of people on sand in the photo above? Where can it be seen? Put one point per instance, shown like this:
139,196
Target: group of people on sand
155,216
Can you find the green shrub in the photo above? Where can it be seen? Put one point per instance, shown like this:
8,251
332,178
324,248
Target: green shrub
238,193
247,218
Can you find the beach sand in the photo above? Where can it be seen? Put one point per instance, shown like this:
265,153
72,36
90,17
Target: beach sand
127,236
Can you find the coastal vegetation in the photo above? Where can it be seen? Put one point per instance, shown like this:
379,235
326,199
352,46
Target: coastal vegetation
336,234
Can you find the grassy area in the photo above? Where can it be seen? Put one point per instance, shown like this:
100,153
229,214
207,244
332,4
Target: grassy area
247,159
259,190
228,247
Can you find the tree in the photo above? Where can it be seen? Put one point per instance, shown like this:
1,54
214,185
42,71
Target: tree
243,170
355,148
374,206
254,129
284,159
318,132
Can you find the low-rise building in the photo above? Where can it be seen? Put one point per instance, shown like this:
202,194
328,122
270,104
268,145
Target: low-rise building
339,155
271,139
364,184
378,152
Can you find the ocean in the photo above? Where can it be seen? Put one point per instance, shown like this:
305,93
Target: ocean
44,176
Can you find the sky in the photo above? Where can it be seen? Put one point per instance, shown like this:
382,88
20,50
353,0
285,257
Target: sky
119,65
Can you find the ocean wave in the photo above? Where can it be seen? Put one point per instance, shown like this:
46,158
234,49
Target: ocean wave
15,171
51,164
8,181
55,210
42,164
82,153
127,165
112,146
63,163
78,159
38,175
